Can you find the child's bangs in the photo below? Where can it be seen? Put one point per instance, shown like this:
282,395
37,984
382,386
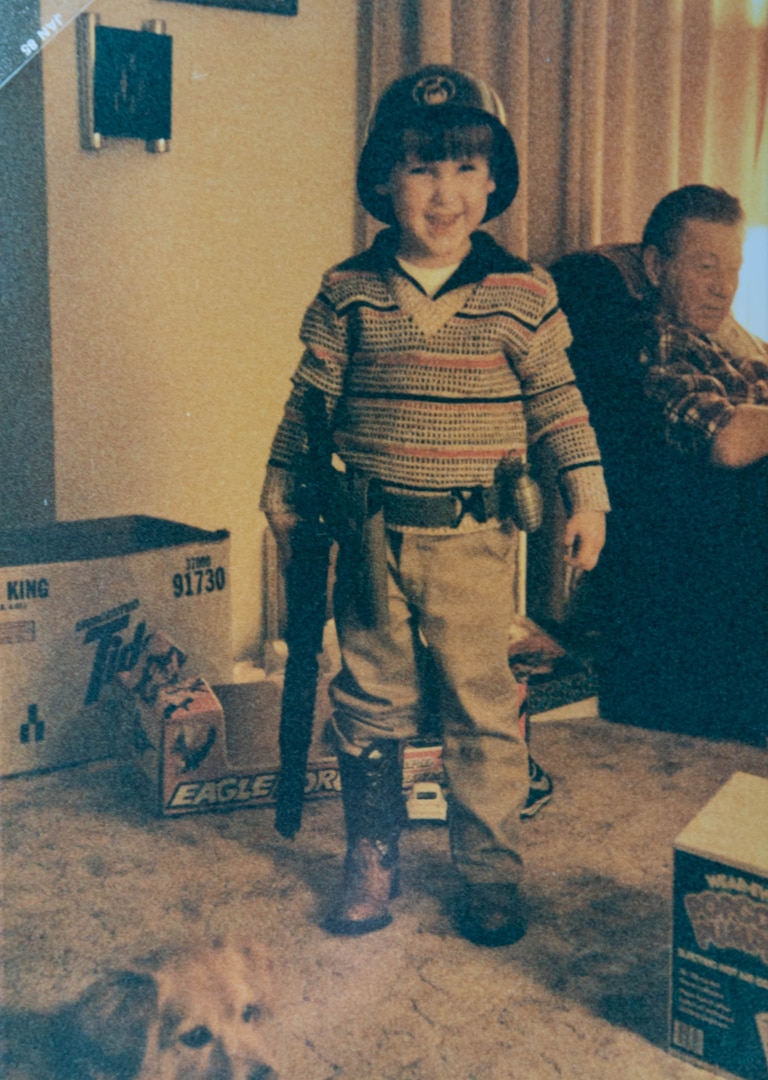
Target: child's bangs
448,143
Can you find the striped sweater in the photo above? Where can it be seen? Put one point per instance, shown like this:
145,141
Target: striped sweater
431,394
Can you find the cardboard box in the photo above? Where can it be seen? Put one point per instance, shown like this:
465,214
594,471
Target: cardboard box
719,973
205,750
422,762
77,601
217,748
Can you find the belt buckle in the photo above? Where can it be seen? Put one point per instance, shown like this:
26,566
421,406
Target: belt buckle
473,504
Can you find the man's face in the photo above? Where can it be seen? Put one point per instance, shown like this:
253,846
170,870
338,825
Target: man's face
438,205
698,283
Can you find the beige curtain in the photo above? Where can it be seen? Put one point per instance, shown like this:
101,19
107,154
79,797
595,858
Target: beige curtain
612,103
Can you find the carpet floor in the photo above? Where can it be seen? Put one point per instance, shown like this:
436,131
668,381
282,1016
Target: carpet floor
92,880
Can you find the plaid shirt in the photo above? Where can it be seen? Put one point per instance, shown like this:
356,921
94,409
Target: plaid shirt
698,383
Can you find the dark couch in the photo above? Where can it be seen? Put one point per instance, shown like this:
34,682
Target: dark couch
681,591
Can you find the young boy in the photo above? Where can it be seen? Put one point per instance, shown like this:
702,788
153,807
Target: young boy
436,358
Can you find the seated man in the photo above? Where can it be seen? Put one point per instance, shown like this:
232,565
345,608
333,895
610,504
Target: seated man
685,574
709,375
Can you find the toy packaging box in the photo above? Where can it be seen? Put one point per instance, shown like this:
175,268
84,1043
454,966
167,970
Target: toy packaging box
205,748
719,971
78,600
422,761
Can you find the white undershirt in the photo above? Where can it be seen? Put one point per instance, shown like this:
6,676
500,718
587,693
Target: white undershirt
431,278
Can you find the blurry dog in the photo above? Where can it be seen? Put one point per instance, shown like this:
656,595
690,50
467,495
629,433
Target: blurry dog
196,1017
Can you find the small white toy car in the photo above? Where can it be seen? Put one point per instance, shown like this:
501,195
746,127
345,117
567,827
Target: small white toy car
426,802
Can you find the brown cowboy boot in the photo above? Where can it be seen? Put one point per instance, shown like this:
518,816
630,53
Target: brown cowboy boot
374,812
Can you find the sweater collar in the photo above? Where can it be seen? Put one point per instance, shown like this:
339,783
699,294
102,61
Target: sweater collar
486,257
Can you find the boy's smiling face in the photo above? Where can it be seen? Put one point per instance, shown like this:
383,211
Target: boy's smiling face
438,205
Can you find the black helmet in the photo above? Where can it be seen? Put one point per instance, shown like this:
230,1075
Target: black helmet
451,97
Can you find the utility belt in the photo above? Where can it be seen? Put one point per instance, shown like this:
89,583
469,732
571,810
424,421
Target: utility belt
362,510
448,510
516,496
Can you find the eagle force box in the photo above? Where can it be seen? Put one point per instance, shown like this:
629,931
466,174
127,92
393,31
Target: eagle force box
203,748
77,601
719,991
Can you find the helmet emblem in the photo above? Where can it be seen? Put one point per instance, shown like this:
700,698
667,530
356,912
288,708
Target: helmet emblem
434,90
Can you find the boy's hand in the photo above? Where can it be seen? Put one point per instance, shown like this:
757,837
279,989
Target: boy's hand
584,538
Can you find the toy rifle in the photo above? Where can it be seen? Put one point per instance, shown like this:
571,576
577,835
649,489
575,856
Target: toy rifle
306,588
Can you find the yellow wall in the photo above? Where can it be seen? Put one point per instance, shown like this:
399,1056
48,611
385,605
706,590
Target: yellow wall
178,280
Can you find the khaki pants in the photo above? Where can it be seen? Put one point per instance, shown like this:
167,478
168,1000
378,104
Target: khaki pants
458,591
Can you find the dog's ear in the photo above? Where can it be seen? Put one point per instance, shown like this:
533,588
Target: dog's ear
108,1026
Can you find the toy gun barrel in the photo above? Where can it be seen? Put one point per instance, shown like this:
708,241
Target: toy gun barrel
306,588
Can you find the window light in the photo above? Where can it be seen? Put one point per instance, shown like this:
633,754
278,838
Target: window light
750,306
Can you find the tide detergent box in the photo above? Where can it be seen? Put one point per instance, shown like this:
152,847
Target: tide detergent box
78,600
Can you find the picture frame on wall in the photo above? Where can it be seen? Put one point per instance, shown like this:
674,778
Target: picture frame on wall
271,7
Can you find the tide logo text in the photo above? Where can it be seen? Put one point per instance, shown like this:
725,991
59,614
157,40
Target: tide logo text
112,653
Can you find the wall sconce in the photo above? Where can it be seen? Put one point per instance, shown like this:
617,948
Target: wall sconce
124,83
